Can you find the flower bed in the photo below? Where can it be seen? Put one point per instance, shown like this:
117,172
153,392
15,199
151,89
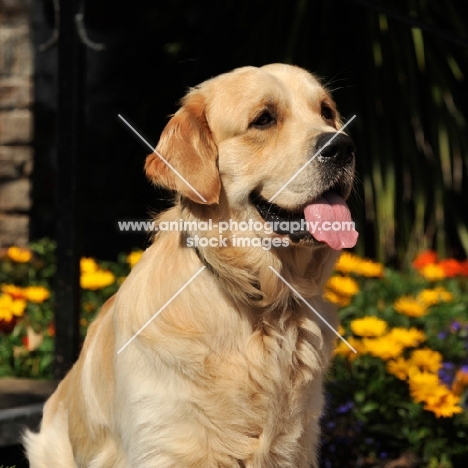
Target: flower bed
402,395
26,299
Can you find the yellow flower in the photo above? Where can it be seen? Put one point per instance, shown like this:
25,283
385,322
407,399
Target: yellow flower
10,308
37,294
343,285
383,347
426,359
342,349
340,301
432,272
14,291
370,269
134,257
399,368
407,337
444,404
96,279
426,387
88,265
5,314
349,263
433,296
423,385
410,306
19,254
369,326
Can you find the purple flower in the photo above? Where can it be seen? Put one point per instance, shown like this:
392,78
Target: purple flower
447,373
345,408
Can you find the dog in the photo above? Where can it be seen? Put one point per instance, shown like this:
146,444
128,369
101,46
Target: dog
213,351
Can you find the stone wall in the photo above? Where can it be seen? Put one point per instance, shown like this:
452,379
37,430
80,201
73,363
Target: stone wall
16,135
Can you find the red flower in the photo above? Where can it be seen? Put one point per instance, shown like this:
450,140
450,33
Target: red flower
7,326
425,258
464,268
451,267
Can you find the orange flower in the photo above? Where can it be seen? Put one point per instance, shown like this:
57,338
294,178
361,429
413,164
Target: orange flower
428,257
460,382
14,291
451,267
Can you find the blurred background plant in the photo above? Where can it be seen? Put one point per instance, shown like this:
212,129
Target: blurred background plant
403,395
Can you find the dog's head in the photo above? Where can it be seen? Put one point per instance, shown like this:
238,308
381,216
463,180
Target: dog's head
264,142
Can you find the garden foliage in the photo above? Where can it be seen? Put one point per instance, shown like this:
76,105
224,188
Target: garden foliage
399,383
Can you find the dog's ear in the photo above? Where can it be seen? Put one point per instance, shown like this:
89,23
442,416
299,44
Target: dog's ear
187,145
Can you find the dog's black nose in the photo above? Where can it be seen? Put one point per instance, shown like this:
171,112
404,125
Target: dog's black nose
336,146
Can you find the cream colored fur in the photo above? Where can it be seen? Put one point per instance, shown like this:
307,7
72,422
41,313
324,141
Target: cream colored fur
230,373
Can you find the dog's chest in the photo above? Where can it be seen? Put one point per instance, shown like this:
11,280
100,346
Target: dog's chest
249,404
269,391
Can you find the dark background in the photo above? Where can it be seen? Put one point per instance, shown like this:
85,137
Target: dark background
155,50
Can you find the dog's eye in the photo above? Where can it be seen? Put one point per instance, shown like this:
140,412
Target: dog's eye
327,112
264,120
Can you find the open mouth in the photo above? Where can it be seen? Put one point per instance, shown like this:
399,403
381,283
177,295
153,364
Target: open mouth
326,219
280,219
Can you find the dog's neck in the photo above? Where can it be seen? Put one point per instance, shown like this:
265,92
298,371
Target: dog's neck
252,276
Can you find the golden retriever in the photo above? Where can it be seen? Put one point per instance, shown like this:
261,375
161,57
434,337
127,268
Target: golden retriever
226,362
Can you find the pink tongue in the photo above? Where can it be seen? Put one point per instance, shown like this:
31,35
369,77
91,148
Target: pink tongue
329,220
